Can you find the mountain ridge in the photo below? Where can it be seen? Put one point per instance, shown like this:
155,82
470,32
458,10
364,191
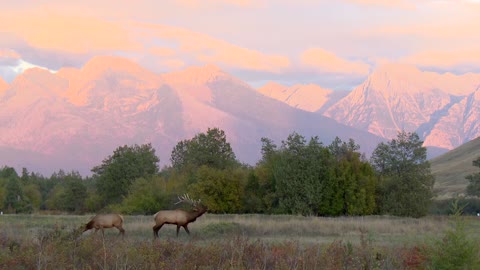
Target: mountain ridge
127,105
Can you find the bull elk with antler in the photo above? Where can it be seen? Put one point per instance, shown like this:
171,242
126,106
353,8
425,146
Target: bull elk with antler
179,217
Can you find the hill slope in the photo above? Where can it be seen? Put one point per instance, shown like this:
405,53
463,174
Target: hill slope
451,168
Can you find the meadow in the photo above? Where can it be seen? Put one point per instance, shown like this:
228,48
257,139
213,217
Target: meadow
229,242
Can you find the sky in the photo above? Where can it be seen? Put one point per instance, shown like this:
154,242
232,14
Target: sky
335,44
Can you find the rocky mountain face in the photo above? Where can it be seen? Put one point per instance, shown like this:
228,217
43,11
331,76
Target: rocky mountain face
439,107
3,86
74,118
442,108
307,97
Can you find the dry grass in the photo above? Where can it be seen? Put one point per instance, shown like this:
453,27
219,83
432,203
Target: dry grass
271,228
223,242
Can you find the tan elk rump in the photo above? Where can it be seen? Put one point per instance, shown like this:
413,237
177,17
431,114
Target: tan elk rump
179,217
101,221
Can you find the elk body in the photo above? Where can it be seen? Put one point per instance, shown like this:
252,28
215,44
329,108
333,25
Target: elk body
101,221
179,217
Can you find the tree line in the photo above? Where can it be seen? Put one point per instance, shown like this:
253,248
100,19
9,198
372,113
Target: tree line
300,176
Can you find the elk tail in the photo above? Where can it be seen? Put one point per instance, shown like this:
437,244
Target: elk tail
121,217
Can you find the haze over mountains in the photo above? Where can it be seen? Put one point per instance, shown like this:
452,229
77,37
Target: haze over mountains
74,118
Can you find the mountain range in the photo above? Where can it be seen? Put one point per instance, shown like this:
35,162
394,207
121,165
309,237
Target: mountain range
74,118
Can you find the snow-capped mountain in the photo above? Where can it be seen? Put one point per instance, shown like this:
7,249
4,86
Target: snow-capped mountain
396,97
75,118
308,97
3,86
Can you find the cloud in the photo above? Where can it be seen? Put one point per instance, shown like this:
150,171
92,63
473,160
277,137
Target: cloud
67,33
209,3
162,51
326,62
404,4
173,64
447,60
8,57
206,49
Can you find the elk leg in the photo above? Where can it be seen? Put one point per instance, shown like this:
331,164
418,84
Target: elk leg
178,229
122,231
156,228
186,229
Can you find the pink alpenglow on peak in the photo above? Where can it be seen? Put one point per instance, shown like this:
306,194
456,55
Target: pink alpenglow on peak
197,75
3,85
307,97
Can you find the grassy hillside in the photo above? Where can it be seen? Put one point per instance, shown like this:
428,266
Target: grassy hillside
451,168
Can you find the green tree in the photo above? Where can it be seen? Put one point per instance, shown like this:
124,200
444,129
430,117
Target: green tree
117,172
15,199
56,198
146,196
205,149
357,184
32,192
406,176
473,187
304,178
260,193
221,191
75,196
8,172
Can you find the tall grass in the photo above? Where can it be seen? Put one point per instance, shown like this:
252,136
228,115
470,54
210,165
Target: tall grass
222,242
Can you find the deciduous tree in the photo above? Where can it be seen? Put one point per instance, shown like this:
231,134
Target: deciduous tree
406,176
209,149
118,171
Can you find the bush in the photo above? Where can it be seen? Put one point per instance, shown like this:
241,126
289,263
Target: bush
456,249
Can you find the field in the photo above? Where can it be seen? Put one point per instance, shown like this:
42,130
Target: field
224,242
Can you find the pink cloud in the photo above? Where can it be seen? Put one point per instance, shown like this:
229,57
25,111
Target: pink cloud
8,56
203,3
404,4
207,49
445,59
327,62
173,64
162,51
67,33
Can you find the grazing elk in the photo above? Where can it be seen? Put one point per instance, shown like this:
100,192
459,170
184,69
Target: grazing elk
179,217
101,221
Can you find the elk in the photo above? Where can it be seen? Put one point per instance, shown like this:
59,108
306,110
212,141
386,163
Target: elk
179,217
101,221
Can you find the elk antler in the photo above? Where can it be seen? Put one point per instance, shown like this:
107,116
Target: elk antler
187,199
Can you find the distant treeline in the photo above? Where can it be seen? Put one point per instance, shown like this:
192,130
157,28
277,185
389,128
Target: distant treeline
303,177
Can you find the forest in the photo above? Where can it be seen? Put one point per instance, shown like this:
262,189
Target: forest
299,176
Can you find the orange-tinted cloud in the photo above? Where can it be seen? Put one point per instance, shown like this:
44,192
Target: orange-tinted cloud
207,49
203,3
162,51
326,62
173,64
68,33
445,59
404,4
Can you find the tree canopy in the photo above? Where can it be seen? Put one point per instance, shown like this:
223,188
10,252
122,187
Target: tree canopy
406,176
118,171
209,149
